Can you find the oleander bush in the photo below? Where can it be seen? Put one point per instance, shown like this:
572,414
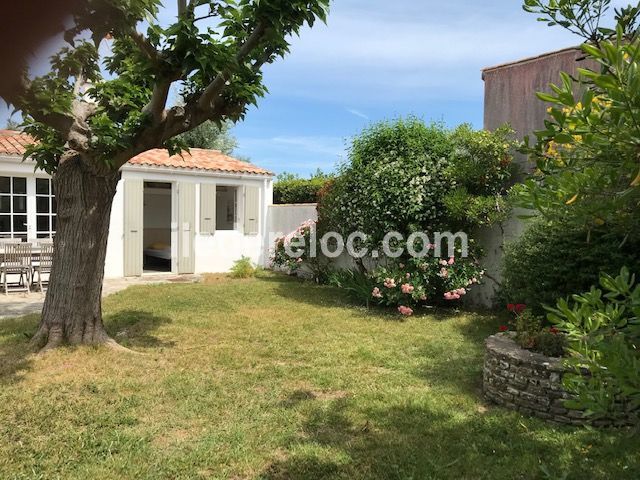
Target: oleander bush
603,331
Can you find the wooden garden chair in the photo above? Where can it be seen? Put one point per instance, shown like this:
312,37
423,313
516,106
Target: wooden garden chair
44,264
17,259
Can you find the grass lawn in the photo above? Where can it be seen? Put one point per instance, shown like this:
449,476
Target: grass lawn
275,379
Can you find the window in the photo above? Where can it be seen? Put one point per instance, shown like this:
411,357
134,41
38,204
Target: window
226,207
45,209
13,207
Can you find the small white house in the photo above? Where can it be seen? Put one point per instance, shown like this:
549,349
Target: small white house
194,213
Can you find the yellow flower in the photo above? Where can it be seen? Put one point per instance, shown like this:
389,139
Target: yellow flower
572,199
599,222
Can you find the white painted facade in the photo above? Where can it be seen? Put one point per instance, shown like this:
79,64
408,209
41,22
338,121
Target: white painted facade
213,252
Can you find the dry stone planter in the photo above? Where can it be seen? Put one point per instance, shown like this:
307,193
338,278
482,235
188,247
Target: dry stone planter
529,382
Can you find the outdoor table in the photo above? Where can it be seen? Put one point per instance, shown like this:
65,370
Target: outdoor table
35,253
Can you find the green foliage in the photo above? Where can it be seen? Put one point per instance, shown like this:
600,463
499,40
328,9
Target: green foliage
550,261
528,326
532,335
424,281
402,176
301,249
603,330
357,285
587,154
290,188
243,268
125,111
551,343
211,137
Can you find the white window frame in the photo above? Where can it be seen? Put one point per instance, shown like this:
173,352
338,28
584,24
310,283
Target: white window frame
50,232
11,194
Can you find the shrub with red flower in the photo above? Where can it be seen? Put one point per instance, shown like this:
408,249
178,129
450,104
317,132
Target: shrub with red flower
503,328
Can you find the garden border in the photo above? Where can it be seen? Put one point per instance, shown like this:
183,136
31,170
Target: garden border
530,383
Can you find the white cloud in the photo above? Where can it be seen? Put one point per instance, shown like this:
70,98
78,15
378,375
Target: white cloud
374,52
358,113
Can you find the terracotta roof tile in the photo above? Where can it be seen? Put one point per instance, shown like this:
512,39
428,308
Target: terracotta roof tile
15,143
197,159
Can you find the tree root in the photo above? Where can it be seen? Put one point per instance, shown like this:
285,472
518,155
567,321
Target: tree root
46,340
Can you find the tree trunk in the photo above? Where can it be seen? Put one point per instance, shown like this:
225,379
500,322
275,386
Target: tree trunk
72,310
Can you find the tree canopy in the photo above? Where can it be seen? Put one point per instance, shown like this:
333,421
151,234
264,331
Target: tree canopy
107,90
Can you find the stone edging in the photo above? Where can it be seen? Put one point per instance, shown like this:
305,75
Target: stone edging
529,382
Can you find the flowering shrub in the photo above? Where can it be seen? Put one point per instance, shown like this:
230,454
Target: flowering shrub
299,243
587,155
405,176
422,281
532,335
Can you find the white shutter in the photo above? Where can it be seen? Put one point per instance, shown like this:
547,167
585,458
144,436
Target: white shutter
207,209
186,227
251,210
133,227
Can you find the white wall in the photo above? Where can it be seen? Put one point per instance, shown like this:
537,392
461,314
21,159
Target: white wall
214,253
284,219
114,265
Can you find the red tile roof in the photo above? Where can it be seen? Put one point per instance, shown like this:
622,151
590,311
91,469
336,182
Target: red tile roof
14,143
198,159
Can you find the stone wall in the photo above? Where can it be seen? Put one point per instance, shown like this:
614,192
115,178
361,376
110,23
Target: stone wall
529,382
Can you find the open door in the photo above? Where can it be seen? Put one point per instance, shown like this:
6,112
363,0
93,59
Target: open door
133,227
186,227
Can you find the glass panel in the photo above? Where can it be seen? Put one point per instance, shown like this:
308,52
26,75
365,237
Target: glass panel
19,204
5,185
5,204
42,186
42,204
20,185
5,223
42,223
23,238
42,235
54,221
19,223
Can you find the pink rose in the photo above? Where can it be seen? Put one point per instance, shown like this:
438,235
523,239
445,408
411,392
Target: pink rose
444,263
389,283
407,288
444,273
451,261
376,293
406,311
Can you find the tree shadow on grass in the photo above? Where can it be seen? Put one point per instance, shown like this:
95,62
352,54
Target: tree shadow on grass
130,328
15,352
133,328
414,441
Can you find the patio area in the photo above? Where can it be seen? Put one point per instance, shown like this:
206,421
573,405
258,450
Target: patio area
18,304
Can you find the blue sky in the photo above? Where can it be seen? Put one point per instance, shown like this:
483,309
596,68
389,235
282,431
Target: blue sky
377,59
